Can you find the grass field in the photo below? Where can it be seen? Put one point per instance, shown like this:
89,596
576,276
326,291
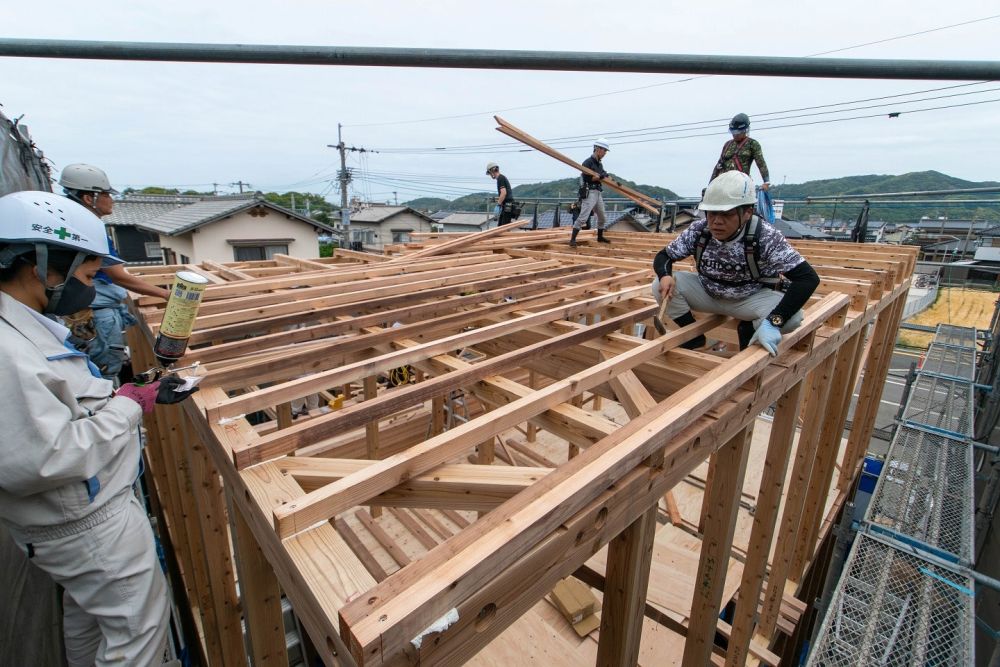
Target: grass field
954,305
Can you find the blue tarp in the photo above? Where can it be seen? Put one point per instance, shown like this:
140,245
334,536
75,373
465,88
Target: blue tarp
765,209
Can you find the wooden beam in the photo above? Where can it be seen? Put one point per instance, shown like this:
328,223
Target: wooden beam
382,476
382,623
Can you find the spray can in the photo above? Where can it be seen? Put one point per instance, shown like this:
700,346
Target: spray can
178,319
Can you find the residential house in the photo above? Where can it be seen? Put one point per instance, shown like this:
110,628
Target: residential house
233,228
464,221
377,225
134,244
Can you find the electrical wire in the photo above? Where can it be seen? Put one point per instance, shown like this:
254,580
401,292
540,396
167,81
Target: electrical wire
697,125
690,136
663,83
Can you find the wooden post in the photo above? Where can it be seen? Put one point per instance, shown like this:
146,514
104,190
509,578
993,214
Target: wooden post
717,543
876,370
838,401
532,430
630,555
207,488
260,597
713,462
818,383
371,431
768,500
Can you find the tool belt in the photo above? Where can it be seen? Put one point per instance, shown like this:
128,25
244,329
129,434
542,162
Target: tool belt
513,208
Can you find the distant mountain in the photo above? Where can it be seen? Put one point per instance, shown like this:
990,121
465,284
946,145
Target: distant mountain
848,185
564,188
911,182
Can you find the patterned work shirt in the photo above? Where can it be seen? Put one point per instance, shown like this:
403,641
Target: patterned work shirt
739,155
723,269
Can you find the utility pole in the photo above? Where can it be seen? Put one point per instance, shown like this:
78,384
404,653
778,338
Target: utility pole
215,189
293,201
395,197
241,184
344,176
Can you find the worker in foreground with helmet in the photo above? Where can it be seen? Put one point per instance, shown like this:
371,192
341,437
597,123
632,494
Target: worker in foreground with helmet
505,208
70,445
594,201
99,328
740,152
739,262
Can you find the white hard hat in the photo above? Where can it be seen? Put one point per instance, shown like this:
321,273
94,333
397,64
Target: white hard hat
85,178
30,218
490,166
602,143
727,191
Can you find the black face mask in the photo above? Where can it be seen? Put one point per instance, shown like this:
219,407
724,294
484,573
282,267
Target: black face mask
75,296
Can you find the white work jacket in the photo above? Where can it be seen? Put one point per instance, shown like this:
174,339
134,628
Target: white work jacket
67,445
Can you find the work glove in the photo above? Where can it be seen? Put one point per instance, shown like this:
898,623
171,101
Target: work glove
162,391
768,337
496,210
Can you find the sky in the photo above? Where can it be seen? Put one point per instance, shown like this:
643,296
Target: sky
190,125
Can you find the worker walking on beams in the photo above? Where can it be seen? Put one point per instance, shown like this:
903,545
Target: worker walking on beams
104,320
70,445
740,152
504,210
594,201
739,262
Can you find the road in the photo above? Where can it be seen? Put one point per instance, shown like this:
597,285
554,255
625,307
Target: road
892,393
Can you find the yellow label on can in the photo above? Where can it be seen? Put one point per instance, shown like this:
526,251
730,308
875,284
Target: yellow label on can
182,306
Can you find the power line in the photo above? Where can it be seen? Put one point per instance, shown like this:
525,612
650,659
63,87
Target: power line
703,124
708,134
657,85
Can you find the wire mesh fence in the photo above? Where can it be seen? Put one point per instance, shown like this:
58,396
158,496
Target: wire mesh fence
926,491
893,608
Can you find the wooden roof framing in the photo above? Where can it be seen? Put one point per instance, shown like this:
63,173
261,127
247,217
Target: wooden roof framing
517,327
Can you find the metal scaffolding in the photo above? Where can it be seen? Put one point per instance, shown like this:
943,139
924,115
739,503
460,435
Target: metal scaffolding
904,597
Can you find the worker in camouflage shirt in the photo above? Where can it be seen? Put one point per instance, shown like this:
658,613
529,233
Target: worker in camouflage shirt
739,153
724,282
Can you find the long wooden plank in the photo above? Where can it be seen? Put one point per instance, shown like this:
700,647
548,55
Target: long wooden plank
644,200
383,623
470,239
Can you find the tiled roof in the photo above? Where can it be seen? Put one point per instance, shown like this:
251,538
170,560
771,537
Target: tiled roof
183,218
134,213
466,219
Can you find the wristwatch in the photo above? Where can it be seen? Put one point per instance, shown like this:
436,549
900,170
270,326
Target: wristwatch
777,320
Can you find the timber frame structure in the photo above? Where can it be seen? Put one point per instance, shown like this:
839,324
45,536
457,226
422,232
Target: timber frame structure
492,332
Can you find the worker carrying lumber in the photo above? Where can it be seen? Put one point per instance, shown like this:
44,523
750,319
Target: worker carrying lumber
740,152
70,445
739,264
99,329
506,209
594,201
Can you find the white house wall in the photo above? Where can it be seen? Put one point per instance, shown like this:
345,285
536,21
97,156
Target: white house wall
211,242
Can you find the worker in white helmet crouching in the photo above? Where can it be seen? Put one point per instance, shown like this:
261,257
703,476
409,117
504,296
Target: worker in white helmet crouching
744,268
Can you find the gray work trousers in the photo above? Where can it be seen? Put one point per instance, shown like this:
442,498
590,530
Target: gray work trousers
690,294
594,203
115,595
